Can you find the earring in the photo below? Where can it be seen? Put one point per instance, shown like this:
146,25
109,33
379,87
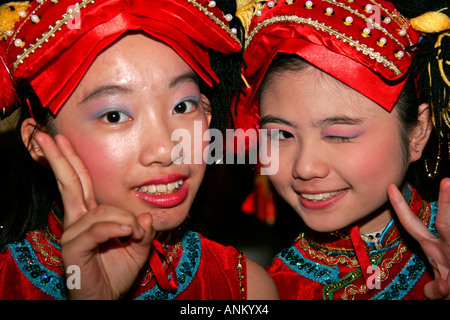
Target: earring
435,173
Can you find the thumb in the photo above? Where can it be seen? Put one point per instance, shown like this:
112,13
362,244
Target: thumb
436,289
142,246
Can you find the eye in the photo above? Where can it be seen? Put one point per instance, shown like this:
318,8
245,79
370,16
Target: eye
279,134
338,139
115,117
185,106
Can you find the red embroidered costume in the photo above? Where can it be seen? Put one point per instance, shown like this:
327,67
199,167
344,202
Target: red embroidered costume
204,269
325,266
369,46
50,45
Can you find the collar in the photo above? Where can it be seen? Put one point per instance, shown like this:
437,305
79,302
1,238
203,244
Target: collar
160,265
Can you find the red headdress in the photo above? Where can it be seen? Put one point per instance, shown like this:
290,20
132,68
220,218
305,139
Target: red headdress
361,43
52,43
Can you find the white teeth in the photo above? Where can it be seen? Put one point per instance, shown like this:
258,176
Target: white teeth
160,188
320,196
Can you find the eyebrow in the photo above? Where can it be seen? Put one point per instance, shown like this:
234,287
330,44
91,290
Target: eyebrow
337,120
187,77
272,119
318,124
105,90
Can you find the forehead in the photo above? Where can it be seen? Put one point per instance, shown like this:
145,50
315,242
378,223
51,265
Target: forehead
135,57
308,92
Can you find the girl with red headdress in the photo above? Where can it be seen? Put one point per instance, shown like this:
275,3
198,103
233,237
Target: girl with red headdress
333,83
100,87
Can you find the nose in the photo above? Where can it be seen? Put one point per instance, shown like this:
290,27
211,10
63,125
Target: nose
311,162
156,143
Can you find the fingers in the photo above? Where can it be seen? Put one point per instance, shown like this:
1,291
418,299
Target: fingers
83,244
63,161
412,224
443,216
142,246
81,170
104,214
436,289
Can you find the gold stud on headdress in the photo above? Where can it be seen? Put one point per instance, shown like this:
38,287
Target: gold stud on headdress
10,13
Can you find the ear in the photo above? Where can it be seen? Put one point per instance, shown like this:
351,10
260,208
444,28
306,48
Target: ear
420,133
207,105
28,129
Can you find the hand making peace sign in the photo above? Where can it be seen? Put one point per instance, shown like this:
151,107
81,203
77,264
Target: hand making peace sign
90,239
437,249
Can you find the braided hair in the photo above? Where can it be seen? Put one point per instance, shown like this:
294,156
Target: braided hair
432,57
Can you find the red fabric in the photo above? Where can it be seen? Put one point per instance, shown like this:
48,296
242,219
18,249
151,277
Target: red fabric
360,250
8,95
319,39
321,251
55,69
13,285
217,276
156,262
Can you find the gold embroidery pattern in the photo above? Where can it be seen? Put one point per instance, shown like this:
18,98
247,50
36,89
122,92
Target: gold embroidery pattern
146,277
51,33
45,250
322,256
351,290
241,277
321,26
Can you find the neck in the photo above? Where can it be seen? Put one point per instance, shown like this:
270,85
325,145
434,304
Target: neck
379,219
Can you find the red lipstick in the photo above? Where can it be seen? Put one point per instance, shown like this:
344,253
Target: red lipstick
167,200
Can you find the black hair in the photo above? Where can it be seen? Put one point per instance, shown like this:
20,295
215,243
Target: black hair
430,67
30,188
426,66
228,68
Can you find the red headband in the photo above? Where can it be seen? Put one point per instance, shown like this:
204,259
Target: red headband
53,50
361,43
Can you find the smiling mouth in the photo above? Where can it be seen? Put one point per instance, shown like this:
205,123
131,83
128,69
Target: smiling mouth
160,189
320,196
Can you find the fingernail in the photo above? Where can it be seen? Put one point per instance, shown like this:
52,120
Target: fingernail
125,227
141,231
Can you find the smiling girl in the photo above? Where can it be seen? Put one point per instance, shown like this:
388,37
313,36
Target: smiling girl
337,93
98,103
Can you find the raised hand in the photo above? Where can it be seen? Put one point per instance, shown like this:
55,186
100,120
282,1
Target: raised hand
92,232
437,249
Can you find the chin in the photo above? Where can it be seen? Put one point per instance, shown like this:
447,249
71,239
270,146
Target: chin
168,221
325,225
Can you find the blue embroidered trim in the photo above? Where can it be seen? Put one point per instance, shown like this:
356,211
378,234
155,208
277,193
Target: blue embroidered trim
432,226
405,280
294,259
186,269
46,280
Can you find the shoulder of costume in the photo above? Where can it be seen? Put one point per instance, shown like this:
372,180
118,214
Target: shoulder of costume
39,261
